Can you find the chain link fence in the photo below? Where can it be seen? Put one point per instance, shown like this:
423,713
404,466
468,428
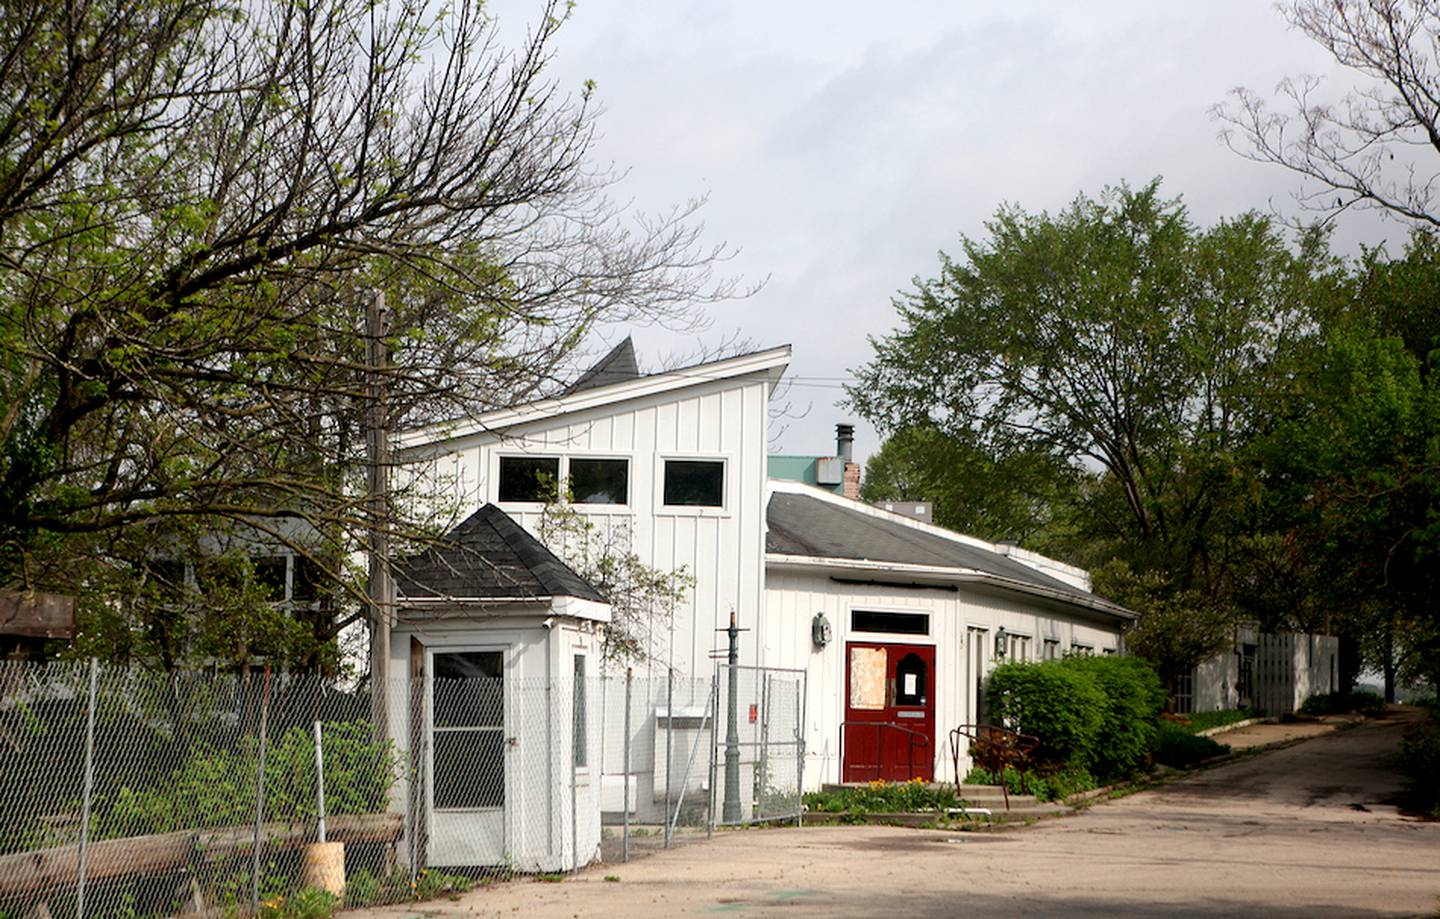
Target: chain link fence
759,753
137,794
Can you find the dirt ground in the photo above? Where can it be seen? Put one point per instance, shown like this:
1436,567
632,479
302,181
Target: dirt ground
1303,830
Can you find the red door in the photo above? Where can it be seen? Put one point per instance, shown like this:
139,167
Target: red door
889,730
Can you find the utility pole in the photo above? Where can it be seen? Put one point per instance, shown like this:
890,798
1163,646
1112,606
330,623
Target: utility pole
379,590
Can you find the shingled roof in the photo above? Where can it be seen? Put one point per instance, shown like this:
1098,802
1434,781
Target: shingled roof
489,557
802,525
616,367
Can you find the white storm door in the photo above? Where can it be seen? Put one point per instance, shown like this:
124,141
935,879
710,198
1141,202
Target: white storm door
466,764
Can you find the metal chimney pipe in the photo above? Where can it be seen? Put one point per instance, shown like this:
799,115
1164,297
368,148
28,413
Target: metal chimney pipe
845,441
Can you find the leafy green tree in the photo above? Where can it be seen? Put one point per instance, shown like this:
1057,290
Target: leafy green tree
1120,343
197,198
1009,497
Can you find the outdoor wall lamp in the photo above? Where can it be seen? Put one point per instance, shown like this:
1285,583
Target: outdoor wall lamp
1000,642
820,630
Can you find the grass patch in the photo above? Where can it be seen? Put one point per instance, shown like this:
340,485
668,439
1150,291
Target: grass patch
1053,787
1204,721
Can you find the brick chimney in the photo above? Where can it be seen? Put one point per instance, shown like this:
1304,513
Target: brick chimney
845,449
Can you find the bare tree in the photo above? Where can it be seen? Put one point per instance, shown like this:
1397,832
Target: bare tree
195,196
1374,146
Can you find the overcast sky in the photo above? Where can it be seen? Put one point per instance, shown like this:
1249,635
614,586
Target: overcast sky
843,144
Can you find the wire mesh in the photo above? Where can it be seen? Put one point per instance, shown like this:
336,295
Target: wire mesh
759,744
205,794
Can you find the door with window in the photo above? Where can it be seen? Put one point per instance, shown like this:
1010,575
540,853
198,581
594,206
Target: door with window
889,730
465,765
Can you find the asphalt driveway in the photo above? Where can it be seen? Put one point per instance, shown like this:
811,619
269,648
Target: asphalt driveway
1304,830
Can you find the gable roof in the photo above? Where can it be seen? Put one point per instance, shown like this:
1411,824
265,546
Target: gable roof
771,362
806,522
616,367
489,557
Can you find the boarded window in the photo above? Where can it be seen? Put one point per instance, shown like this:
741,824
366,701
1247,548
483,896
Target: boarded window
600,481
694,483
867,679
529,478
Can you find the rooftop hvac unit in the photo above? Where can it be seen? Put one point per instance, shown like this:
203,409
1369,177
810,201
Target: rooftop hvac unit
829,470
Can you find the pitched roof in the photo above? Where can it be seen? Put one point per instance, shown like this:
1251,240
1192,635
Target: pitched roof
822,527
616,367
487,557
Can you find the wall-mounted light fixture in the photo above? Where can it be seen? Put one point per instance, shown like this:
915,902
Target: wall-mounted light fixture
820,630
1000,642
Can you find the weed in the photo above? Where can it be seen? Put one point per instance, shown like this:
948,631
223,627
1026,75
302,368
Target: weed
612,878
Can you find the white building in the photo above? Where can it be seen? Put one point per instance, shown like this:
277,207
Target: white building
895,622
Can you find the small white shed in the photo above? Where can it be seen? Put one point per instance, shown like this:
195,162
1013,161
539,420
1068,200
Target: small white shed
494,653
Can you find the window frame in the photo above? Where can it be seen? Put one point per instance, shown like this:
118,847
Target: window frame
507,661
500,459
723,509
568,478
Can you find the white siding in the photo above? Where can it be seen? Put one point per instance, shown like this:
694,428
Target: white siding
794,597
723,548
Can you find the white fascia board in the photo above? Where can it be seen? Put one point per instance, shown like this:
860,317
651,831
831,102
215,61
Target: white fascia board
578,608
772,363
879,513
948,576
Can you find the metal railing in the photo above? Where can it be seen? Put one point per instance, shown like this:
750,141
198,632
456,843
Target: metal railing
914,738
993,747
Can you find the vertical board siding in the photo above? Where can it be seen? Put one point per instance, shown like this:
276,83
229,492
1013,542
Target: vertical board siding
723,549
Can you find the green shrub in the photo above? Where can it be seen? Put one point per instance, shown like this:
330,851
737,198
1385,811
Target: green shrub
1095,715
1055,787
1132,701
1062,707
309,903
1420,761
216,787
883,798
1176,746
1340,703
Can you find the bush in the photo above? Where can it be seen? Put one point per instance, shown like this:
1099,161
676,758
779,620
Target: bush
1132,701
216,787
1176,746
1055,787
1095,715
883,798
1062,707
1340,703
1420,761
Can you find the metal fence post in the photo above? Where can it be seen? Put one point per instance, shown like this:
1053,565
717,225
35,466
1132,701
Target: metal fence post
260,796
800,748
714,749
88,789
669,745
320,783
625,815
577,730
764,769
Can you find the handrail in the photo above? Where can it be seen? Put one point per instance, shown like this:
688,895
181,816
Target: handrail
915,736
995,747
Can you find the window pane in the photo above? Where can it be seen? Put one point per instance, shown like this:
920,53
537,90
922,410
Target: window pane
600,481
529,478
469,769
468,690
911,681
577,734
695,483
900,623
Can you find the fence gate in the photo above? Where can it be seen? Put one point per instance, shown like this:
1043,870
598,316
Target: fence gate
757,762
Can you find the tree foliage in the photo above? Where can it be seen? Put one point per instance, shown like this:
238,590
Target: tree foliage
197,198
